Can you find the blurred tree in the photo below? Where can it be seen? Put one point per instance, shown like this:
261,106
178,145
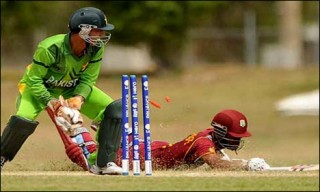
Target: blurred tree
23,21
160,25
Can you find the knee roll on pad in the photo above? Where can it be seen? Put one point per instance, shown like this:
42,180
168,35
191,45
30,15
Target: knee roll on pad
15,134
114,110
109,133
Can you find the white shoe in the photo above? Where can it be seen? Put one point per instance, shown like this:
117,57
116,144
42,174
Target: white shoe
111,169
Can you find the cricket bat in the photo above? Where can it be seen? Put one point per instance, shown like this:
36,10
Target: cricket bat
313,167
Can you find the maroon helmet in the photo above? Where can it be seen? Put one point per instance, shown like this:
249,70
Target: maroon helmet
229,127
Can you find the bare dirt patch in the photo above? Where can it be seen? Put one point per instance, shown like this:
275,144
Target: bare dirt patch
172,173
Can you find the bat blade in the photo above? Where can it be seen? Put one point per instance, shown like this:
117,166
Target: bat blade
314,167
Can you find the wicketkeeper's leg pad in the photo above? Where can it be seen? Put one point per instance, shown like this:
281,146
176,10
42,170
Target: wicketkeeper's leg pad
109,134
15,134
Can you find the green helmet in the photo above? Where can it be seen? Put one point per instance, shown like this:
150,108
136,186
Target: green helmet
85,19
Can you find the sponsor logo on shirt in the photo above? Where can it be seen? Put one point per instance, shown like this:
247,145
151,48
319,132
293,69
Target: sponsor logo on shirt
61,83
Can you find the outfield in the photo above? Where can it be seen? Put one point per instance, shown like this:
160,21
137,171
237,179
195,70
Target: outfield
162,181
196,95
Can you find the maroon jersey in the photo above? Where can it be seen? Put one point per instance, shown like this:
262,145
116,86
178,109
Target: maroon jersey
187,151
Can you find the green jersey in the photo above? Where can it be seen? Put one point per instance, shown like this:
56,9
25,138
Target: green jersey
55,70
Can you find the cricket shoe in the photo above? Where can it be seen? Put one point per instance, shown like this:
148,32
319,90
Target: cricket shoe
110,169
3,161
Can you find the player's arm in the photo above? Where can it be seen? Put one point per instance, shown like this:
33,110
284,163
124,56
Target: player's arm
204,150
36,72
215,161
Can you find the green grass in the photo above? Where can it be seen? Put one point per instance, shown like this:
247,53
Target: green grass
196,95
167,183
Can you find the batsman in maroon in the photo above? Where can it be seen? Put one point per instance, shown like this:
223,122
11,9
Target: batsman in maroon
228,128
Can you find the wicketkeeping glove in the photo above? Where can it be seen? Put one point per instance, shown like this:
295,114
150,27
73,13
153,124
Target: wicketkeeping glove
54,105
75,102
67,118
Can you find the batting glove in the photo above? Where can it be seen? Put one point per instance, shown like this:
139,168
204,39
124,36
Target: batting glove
257,164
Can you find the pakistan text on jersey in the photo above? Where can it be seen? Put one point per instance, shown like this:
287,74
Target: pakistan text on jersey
61,83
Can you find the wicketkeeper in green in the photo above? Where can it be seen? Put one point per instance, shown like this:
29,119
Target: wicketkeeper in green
69,65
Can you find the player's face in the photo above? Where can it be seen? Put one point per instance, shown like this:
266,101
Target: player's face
233,140
232,143
99,37
97,32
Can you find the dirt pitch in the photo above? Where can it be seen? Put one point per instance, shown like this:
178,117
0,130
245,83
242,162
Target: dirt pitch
172,173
